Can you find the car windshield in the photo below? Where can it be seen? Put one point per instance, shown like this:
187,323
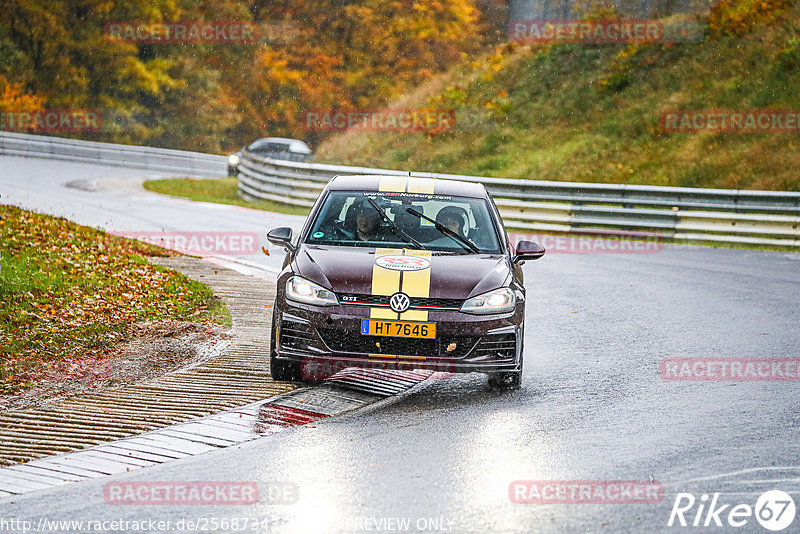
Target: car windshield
431,222
268,146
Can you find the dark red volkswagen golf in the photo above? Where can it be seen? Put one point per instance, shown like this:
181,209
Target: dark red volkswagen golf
401,272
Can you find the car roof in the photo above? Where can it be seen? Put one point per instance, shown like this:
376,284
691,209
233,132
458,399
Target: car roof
407,184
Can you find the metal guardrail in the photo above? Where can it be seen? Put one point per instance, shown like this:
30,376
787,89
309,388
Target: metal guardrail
156,159
724,216
672,213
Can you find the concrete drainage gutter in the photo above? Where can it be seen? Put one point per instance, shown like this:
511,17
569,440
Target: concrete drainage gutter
236,377
348,390
219,403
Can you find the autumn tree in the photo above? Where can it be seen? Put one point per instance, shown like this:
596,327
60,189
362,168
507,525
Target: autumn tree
330,53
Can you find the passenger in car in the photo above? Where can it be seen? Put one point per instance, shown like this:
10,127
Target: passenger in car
455,219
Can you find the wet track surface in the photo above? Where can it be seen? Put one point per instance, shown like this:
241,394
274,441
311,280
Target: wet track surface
592,407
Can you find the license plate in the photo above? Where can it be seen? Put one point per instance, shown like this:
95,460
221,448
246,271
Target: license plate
372,327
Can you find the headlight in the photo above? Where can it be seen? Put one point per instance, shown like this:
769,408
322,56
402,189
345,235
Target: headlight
233,160
302,290
498,301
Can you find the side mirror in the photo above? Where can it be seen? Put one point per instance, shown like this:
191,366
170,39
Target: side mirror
281,237
528,250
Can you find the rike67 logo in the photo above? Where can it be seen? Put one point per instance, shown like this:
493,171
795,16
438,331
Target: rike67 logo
774,510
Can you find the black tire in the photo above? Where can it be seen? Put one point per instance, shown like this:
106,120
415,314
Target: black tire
507,380
284,371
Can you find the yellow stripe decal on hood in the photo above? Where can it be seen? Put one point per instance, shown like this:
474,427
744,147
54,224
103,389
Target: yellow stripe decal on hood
417,284
392,184
421,185
412,283
384,282
406,184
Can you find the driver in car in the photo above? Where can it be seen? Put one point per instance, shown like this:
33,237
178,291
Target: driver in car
368,224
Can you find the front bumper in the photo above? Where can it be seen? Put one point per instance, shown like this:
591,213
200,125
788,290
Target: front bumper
331,337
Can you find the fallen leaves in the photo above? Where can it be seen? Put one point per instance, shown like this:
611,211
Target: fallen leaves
69,293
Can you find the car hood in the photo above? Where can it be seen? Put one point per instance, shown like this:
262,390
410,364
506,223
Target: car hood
352,270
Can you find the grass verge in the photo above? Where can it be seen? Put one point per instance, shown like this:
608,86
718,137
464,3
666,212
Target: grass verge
592,112
220,191
69,294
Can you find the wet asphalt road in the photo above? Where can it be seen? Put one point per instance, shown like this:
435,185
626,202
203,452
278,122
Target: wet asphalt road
592,405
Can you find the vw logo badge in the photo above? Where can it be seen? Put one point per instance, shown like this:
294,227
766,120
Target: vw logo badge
399,302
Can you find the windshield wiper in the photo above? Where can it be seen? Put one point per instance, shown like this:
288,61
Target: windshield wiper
394,227
446,231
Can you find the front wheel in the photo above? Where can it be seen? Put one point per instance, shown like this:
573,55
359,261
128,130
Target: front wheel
283,371
508,380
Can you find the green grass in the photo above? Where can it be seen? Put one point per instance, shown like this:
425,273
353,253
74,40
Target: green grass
590,113
217,312
220,191
68,295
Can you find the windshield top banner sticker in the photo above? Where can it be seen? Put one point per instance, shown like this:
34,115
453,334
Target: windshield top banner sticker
408,195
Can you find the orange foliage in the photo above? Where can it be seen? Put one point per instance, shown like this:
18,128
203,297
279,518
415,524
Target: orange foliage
12,98
734,17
